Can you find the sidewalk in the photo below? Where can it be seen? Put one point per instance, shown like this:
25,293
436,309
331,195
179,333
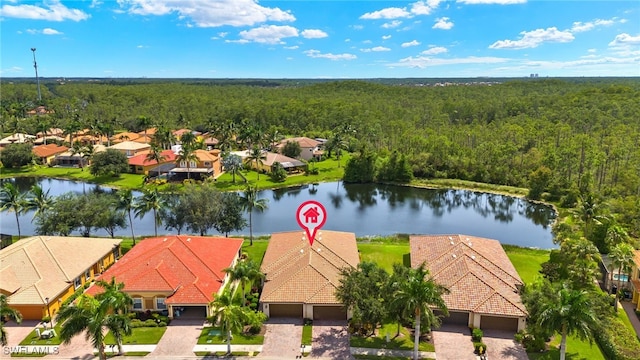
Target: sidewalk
128,348
223,347
389,352
630,308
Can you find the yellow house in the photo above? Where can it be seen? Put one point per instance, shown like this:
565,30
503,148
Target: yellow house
39,273
635,279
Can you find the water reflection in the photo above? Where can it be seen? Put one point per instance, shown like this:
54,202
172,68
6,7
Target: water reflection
368,209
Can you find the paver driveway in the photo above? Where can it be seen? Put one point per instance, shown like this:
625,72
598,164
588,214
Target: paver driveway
453,342
330,340
180,338
502,346
282,338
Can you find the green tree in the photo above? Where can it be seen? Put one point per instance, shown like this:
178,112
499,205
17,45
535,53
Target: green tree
250,202
243,273
187,152
7,312
418,295
155,154
230,316
360,168
233,164
114,298
229,215
110,162
126,203
622,259
13,201
291,149
150,201
395,310
569,312
359,290
38,200
16,155
257,156
539,181
144,122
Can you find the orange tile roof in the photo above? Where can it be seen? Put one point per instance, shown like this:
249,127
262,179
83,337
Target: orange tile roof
296,272
204,155
477,271
141,160
124,136
48,150
189,266
304,142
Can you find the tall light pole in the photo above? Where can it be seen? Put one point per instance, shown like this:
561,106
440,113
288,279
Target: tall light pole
35,65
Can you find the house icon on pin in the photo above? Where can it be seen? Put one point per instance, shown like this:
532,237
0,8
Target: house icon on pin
311,215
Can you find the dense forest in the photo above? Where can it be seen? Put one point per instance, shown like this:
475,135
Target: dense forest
563,137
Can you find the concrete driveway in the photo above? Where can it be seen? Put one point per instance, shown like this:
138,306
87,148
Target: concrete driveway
282,338
453,342
180,338
502,346
330,340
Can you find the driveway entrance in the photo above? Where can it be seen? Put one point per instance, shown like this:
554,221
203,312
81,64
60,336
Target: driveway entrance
180,338
453,342
282,338
331,340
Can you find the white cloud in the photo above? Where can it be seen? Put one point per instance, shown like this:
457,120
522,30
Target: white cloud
269,34
417,8
95,3
592,51
357,27
532,39
388,13
625,39
376,49
294,47
435,50
50,31
240,41
411,43
498,2
31,31
386,37
313,34
330,56
210,13
424,61
50,10
443,23
392,24
590,25
11,70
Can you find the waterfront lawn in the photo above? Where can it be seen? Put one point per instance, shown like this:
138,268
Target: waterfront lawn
237,339
379,341
139,336
128,181
255,252
385,255
526,261
469,185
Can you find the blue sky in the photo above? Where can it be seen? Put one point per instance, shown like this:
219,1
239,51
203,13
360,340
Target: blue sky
319,39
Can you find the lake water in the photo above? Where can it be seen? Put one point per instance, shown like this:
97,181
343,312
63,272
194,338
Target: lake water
366,210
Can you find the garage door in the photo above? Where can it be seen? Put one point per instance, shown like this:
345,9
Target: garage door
329,313
454,318
285,310
498,323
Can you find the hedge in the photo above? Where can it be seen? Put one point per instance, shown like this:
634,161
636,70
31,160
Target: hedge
617,342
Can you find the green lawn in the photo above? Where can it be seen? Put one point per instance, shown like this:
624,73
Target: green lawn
33,339
307,334
141,335
255,252
576,350
206,338
526,261
622,315
402,342
385,255
128,181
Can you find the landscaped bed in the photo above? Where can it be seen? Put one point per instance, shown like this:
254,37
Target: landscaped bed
139,336
34,339
379,341
212,336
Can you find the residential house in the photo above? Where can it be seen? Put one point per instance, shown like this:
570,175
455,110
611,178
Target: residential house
140,164
51,132
40,111
270,159
301,280
180,132
48,140
310,148
47,153
635,279
177,274
17,138
124,136
69,158
207,164
39,273
484,286
131,148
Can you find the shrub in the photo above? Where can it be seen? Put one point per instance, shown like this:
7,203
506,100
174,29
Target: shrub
616,341
46,319
308,321
150,323
476,335
477,348
162,324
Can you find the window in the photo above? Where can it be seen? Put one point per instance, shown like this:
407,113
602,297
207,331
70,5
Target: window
193,164
160,305
116,252
77,282
207,164
137,303
87,274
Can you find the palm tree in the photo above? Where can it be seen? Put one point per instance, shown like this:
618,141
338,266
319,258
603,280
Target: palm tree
93,317
250,201
38,200
244,272
155,154
256,155
233,164
115,298
622,258
188,155
145,123
12,200
417,295
7,312
228,315
569,312
126,203
151,200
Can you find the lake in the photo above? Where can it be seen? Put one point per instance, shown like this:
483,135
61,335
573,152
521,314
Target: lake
366,210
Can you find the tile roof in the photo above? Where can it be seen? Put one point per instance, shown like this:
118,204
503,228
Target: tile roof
141,159
48,150
125,136
296,272
38,267
272,158
304,142
477,271
204,155
189,265
129,145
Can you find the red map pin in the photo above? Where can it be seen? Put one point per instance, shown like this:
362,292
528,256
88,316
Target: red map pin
311,216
